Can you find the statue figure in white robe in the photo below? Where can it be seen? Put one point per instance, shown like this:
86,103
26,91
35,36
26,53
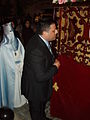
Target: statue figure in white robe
11,66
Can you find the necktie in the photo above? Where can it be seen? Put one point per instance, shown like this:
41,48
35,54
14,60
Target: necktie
49,47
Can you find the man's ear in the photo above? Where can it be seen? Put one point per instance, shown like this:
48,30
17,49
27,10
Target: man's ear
45,33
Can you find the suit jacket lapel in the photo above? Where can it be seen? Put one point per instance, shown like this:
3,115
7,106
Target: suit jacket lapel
46,48
43,43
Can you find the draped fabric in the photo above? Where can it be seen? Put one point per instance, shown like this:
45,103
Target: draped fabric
11,66
71,97
71,101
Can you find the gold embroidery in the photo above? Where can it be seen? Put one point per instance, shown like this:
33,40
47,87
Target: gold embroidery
55,86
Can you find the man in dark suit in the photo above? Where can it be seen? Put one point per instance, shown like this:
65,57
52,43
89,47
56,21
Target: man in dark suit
39,68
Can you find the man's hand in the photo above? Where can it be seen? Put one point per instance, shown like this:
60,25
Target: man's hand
57,63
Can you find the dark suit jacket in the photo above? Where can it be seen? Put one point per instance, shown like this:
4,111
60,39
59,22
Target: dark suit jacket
38,71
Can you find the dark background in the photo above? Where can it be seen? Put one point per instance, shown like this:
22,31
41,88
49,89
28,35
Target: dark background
24,7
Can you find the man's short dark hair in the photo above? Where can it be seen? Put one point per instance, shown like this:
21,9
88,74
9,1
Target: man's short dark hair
44,25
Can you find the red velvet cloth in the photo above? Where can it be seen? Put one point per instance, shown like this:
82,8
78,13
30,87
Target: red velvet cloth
72,100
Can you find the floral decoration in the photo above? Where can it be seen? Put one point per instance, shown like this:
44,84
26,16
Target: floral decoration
64,1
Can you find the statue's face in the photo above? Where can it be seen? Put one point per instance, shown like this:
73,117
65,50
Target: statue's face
8,30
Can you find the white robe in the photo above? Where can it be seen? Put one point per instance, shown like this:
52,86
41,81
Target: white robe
11,66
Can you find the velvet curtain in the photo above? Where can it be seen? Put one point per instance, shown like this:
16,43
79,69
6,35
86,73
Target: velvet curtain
71,85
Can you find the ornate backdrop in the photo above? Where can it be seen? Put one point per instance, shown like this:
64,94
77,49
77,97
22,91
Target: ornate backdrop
74,33
71,97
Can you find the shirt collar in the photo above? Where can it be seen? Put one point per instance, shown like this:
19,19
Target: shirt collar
45,41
